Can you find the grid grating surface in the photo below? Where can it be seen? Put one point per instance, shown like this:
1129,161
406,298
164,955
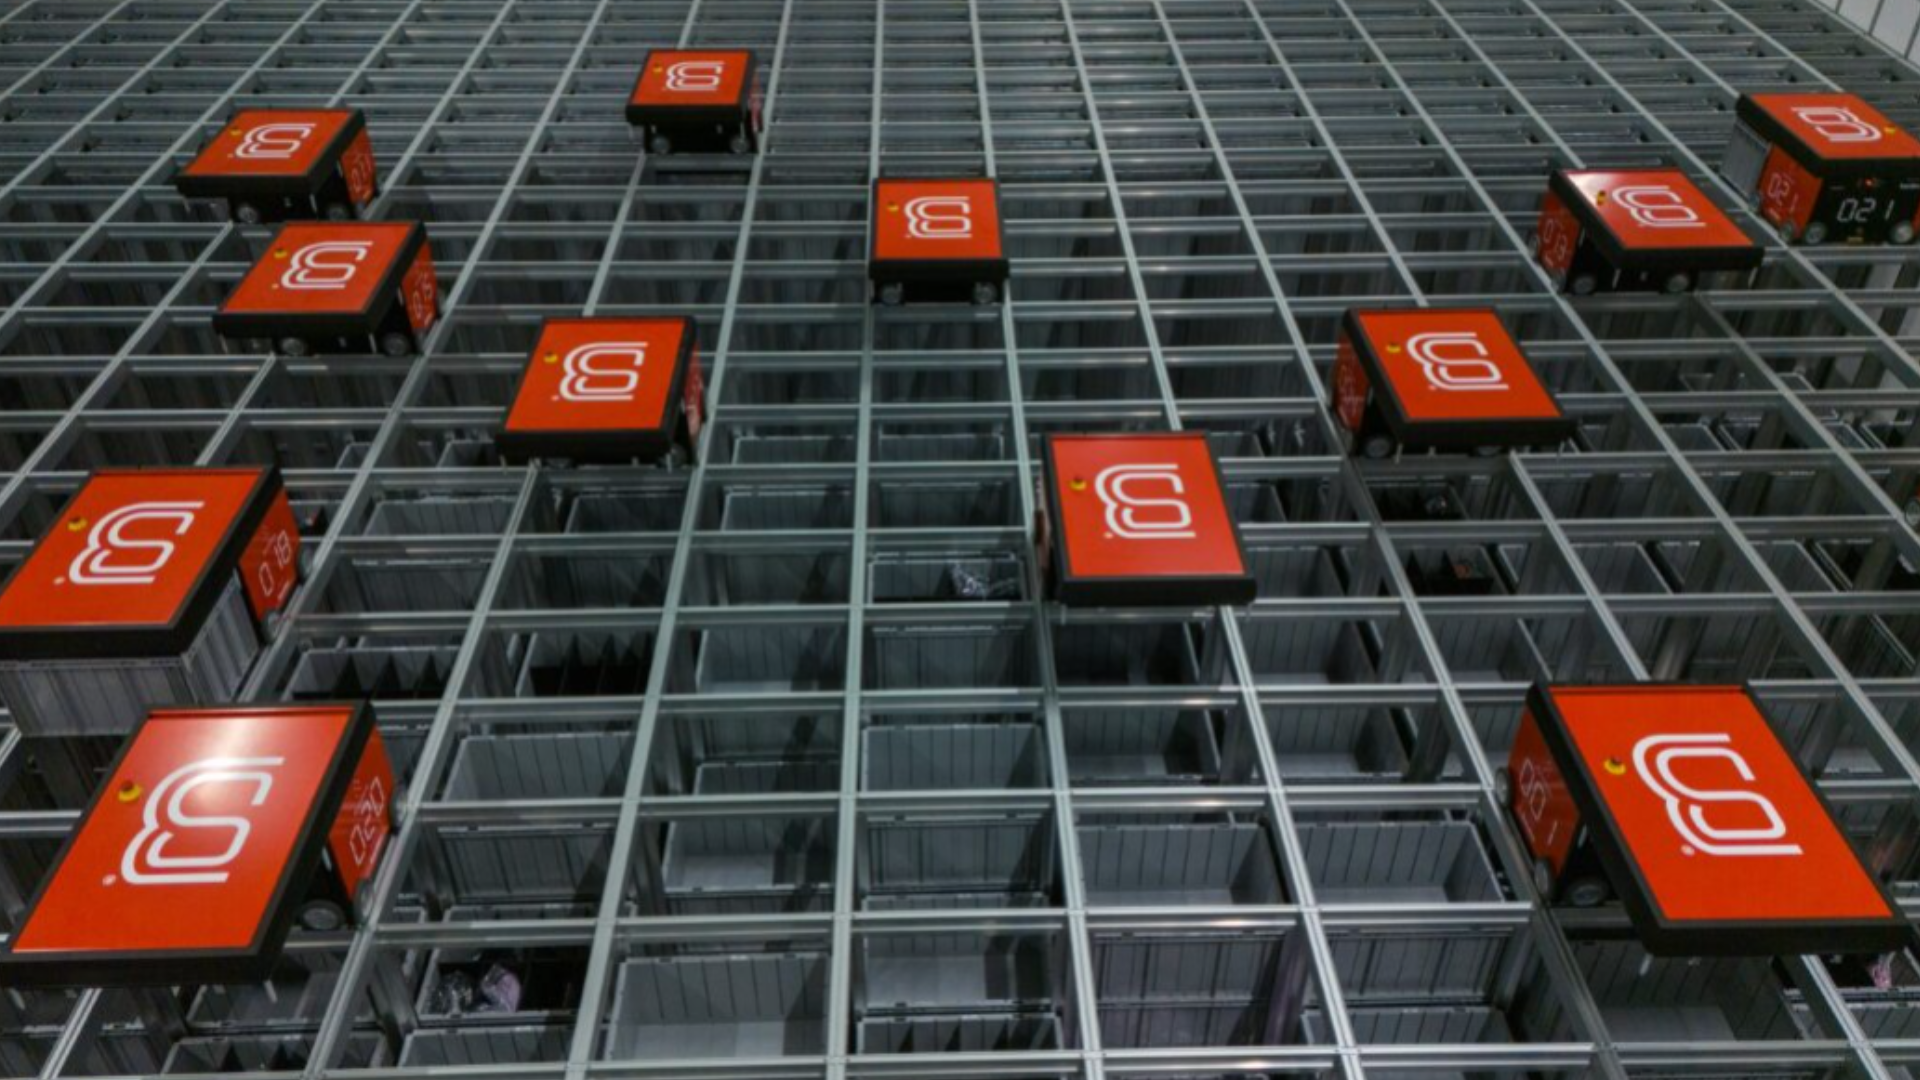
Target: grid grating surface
721,762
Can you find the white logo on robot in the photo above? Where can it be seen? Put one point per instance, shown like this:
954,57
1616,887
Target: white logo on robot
603,371
1654,758
1535,791
359,170
1779,186
1136,515
113,557
1656,206
1556,242
1456,361
326,266
369,825
273,142
1838,124
940,217
420,289
695,76
166,818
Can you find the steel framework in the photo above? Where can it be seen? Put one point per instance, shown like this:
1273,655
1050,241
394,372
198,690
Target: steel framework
777,766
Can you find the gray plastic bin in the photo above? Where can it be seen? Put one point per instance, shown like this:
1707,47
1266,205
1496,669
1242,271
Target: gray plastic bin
1199,988
1648,999
747,865
946,991
1413,986
553,765
719,1006
1397,862
515,1045
1335,743
745,754
266,1053
907,757
1142,747
1211,860
958,862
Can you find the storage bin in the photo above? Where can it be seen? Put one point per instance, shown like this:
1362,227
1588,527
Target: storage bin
940,991
746,1005
1461,986
1362,861
552,765
938,757
749,864
1201,861
935,862
1144,747
1162,990
745,754
1668,1000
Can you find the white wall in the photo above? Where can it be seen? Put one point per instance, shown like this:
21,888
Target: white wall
1896,22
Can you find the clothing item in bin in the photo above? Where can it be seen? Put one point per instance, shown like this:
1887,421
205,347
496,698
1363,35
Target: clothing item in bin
454,995
501,989
1453,572
498,990
1428,503
1882,971
962,583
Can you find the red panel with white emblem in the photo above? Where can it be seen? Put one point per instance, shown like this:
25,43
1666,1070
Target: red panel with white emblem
325,269
276,143
1653,209
196,848
684,79
936,220
357,165
1454,365
420,292
1837,127
1142,519
1710,829
134,547
599,375
613,384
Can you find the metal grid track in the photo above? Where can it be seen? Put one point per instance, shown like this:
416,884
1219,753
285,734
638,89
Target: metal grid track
706,758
